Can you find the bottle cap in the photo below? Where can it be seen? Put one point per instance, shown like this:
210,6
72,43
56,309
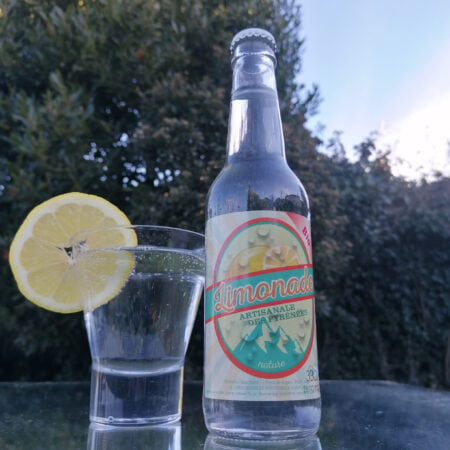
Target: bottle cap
250,34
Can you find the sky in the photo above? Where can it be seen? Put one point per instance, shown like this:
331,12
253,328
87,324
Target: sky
382,66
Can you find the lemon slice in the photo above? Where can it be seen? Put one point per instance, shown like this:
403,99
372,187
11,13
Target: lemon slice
42,253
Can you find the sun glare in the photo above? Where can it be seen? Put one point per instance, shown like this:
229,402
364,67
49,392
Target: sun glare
420,142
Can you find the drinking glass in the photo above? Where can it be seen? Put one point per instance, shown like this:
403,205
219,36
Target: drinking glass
138,337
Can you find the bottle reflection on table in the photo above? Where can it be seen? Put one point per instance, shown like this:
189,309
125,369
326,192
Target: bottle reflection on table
156,437
219,443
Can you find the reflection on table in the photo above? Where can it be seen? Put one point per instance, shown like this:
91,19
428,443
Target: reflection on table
355,415
101,437
217,443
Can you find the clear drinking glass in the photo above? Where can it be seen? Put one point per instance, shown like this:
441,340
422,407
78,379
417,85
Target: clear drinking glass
138,337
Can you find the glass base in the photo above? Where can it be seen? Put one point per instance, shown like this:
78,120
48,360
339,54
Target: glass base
130,399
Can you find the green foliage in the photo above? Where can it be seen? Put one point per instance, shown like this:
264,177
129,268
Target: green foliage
388,315
129,100
123,99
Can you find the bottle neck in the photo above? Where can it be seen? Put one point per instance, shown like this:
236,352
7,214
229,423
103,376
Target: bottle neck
254,129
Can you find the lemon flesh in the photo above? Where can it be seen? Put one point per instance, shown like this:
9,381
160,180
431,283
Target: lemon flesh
42,253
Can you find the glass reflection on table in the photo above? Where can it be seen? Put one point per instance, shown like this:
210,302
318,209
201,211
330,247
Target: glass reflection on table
157,437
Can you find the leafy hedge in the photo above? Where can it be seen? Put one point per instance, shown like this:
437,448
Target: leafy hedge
129,100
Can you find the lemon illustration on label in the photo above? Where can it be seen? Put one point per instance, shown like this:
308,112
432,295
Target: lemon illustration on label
247,261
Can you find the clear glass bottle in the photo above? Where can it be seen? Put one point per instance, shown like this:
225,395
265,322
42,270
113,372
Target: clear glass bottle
261,373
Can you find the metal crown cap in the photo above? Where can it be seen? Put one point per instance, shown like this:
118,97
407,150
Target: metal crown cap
250,34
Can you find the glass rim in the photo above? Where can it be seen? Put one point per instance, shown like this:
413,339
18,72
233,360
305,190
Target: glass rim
143,226
149,227
77,238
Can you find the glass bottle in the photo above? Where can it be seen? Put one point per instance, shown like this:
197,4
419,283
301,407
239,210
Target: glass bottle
261,373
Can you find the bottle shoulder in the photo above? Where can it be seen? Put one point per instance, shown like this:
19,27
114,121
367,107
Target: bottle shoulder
257,184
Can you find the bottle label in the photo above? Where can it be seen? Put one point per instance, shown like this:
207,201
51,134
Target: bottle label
259,308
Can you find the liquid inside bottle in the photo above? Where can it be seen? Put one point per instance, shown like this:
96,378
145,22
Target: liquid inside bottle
261,372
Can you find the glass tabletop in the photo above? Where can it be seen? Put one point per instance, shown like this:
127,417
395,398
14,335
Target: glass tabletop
355,415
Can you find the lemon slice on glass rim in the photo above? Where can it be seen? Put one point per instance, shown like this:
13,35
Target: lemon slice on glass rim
42,253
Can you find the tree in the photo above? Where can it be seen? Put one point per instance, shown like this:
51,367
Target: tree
123,99
390,311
